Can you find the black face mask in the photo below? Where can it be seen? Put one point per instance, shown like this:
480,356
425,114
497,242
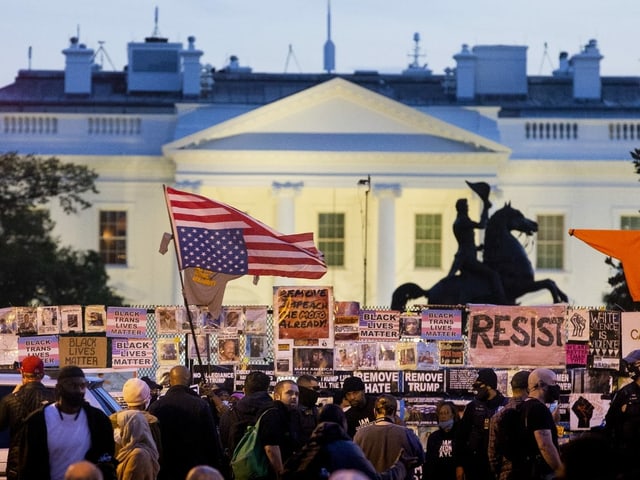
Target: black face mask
73,399
552,393
308,396
483,394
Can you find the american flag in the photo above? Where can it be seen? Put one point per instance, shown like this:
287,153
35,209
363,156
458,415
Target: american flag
220,238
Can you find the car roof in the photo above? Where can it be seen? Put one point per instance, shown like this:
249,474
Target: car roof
96,395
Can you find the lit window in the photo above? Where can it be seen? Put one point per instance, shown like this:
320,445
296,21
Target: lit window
428,242
550,244
630,222
113,237
331,238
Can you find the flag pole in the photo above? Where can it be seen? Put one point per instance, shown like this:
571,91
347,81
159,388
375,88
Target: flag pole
184,297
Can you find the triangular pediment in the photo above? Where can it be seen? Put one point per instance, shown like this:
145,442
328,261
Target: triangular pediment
336,115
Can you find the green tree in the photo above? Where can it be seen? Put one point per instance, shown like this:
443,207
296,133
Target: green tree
34,268
619,297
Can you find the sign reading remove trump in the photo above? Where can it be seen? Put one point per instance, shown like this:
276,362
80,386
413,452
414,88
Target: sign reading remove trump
505,335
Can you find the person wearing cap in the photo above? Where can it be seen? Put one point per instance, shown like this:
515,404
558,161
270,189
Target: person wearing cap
66,431
384,440
137,395
466,258
361,406
623,418
542,448
189,434
500,465
28,396
472,437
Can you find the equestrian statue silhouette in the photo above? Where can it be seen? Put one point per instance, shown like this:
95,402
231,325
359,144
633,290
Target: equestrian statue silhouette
504,274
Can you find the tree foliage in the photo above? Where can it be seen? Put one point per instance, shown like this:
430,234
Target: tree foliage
619,298
34,268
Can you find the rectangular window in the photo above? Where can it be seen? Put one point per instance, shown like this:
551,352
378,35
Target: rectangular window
428,242
331,238
550,244
630,222
113,237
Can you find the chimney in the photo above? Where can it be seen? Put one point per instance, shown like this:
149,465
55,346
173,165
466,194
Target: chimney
77,70
465,74
191,69
586,73
564,69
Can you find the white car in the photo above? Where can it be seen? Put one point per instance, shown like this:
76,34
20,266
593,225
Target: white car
96,395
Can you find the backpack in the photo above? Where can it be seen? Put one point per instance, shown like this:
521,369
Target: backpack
511,435
249,460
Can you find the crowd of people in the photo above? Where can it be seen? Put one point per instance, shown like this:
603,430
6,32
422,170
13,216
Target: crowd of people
185,435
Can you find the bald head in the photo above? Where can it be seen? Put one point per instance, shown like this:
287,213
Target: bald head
83,470
180,375
204,472
348,475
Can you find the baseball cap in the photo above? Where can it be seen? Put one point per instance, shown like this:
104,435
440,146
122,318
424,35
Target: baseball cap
488,377
541,375
32,365
632,357
135,392
352,384
520,379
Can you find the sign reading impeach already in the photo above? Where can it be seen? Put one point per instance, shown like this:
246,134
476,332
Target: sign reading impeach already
87,352
303,312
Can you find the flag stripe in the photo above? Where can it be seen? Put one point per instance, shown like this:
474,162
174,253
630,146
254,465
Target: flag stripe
220,238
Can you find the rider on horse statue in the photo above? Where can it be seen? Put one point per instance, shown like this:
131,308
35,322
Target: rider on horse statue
466,258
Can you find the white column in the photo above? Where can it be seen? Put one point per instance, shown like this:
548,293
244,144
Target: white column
285,194
386,274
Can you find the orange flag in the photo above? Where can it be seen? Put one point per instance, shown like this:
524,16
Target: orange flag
623,245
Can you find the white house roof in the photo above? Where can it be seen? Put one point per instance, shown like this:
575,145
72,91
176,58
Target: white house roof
355,129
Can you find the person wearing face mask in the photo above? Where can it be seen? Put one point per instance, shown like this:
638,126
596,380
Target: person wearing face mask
541,448
441,444
137,395
472,437
309,391
66,431
501,466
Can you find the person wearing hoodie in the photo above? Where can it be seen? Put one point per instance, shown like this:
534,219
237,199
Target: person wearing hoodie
441,446
309,391
234,422
137,395
472,437
137,453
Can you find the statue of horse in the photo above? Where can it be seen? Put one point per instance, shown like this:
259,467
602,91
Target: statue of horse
504,254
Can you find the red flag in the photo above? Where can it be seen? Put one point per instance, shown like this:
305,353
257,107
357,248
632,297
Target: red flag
623,245
217,237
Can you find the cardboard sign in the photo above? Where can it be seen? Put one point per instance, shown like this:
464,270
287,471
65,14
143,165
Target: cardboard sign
83,351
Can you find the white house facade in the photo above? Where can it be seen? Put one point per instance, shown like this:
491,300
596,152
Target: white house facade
372,164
